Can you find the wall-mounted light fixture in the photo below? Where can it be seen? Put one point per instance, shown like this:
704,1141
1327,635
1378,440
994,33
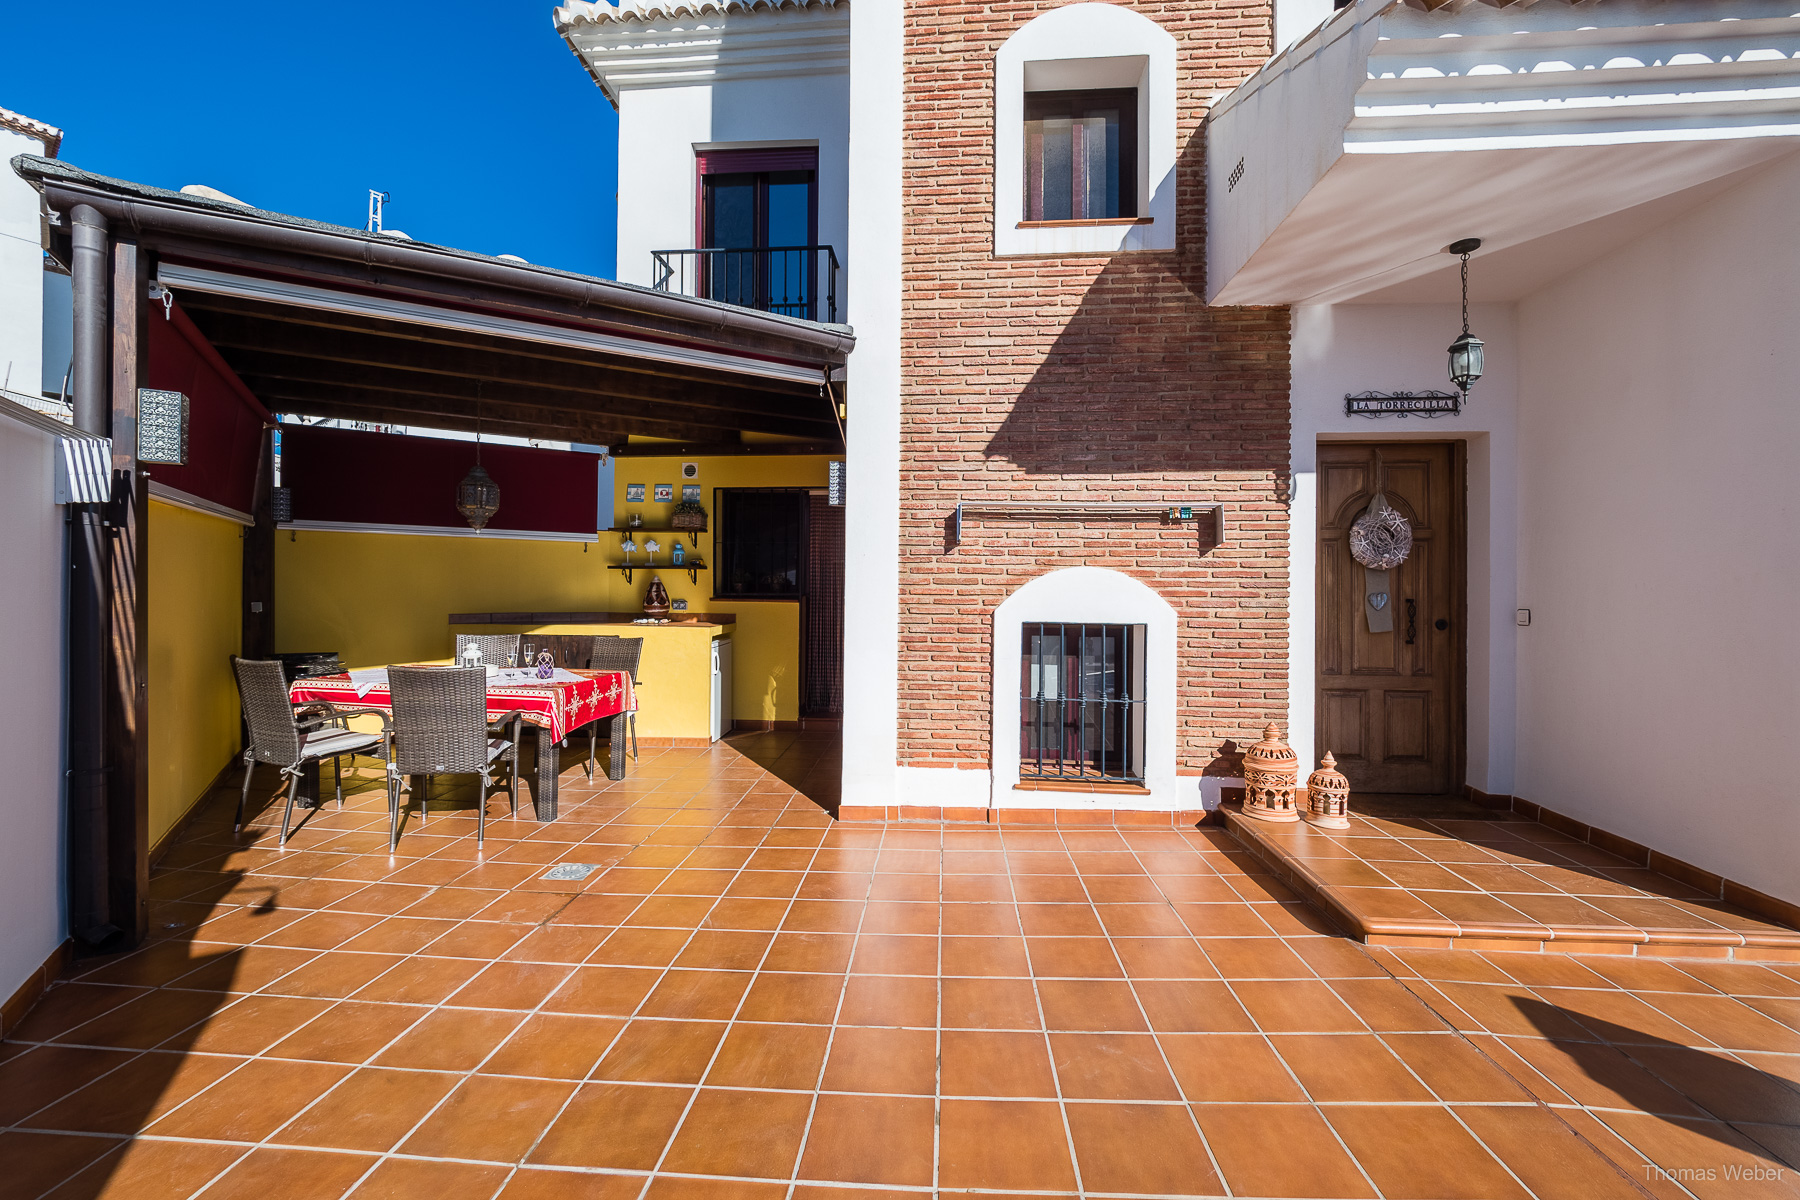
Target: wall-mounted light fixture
1465,351
162,427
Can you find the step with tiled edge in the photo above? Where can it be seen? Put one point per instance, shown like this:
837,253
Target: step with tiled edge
1410,922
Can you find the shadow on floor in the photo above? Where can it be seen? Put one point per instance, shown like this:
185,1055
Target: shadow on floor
810,761
122,1038
1710,1093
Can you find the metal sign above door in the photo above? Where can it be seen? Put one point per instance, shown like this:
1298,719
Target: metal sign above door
1402,404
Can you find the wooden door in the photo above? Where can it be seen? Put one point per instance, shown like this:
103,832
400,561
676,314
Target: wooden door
1390,704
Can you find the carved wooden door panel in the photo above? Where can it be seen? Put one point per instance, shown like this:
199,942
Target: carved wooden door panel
1390,703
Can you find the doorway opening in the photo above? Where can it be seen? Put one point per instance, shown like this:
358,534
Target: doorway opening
1391,644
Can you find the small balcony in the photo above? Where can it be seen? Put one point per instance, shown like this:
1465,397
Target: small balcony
794,281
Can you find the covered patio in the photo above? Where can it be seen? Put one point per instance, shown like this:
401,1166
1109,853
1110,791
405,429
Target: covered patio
256,532
746,999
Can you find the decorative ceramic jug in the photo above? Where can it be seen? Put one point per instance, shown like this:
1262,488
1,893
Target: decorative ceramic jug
656,598
1271,775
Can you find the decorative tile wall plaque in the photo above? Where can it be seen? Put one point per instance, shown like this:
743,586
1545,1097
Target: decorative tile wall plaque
690,493
665,493
634,493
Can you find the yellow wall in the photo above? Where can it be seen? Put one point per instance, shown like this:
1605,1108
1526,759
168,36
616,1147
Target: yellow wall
675,699
766,642
196,624
378,598
382,598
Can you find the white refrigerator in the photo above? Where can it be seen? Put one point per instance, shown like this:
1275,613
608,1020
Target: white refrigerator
721,687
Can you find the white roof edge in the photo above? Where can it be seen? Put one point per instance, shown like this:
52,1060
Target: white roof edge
49,134
576,13
1344,19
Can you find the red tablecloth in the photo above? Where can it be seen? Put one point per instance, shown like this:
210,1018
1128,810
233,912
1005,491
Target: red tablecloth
558,707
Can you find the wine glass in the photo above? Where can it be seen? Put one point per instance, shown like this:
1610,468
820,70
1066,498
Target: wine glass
512,658
530,649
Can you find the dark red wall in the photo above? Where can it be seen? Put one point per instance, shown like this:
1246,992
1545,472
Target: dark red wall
386,479
225,420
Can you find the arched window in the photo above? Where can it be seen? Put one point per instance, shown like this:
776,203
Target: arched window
1084,134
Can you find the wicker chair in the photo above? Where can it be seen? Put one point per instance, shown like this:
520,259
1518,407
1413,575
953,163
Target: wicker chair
278,735
441,728
494,647
613,653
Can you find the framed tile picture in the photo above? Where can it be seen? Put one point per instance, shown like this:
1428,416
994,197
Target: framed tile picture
634,493
665,493
690,493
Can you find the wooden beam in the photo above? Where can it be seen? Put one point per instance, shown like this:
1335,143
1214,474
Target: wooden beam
528,301
457,394
709,449
128,708
258,616
399,408
641,369
338,410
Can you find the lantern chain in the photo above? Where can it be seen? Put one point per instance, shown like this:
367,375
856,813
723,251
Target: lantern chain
1465,292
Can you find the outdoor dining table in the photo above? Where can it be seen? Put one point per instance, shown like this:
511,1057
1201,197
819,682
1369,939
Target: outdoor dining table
554,707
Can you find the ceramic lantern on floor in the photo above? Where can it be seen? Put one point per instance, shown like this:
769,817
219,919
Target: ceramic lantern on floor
1328,796
1271,775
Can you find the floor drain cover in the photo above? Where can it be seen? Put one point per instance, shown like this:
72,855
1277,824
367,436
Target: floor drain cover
571,870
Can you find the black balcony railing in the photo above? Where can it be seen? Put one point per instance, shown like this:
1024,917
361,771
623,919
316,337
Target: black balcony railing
795,281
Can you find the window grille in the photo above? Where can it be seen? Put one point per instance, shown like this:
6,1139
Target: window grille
1081,702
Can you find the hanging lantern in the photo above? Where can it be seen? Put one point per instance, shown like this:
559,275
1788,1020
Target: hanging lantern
1271,776
1465,351
477,497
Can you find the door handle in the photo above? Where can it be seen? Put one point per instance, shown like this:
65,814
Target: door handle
1440,624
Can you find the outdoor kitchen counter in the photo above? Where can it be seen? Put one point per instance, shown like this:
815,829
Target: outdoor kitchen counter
675,673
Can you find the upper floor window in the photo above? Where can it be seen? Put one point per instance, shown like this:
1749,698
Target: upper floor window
757,229
1081,155
1085,134
756,199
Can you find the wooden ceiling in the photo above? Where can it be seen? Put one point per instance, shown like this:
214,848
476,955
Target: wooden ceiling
323,321
334,365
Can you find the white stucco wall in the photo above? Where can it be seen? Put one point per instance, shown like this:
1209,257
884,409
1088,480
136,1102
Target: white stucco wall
1348,348
661,128
21,272
32,702
1659,682
872,459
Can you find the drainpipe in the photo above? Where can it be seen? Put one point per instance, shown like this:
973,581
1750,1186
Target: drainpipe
89,565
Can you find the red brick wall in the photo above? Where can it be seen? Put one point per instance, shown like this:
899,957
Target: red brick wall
1102,378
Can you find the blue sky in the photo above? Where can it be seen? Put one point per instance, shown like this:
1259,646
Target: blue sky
472,114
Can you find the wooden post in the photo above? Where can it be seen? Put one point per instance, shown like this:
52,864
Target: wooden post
128,701
259,560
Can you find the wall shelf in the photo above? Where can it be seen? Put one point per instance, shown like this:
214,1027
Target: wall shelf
1172,511
692,566
692,535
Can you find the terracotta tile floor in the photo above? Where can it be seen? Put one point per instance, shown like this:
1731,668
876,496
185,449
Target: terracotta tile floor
1431,880
747,1000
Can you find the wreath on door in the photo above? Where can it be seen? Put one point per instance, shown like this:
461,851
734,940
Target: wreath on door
1381,538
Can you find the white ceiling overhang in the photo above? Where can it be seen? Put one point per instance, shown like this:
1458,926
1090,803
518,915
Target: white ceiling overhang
1347,164
683,43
